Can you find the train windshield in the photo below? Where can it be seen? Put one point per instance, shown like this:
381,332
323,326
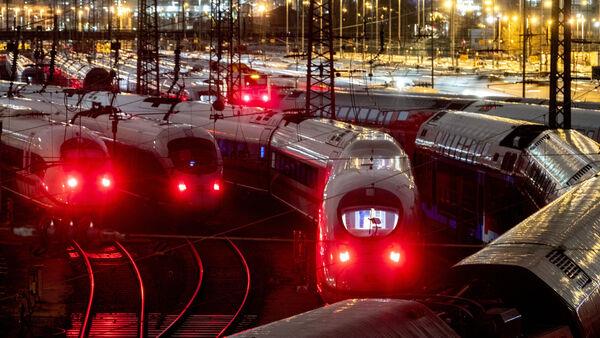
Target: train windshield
193,155
83,153
376,154
370,222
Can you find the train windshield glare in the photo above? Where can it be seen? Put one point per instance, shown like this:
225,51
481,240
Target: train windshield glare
193,155
368,222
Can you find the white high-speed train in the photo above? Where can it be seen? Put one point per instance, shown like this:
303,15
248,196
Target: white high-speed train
182,162
355,182
63,169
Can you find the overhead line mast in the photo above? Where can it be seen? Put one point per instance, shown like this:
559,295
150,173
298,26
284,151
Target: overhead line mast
560,77
320,73
148,71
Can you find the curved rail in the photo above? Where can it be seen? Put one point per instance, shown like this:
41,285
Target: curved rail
86,319
247,268
186,308
141,283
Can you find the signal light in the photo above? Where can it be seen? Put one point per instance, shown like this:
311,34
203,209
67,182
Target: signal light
181,187
344,256
265,98
246,98
72,182
105,182
216,186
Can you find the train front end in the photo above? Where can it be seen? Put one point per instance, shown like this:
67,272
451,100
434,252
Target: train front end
76,179
368,222
196,169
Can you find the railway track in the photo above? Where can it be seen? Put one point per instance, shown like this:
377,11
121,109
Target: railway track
194,290
116,297
221,293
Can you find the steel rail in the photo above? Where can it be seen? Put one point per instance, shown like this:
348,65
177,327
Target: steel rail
83,332
142,319
186,308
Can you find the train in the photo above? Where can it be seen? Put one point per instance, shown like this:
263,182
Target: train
483,174
63,170
355,183
183,162
539,279
365,108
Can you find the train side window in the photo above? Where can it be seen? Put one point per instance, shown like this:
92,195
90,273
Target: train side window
381,116
373,115
486,149
38,165
362,116
388,118
402,116
296,170
343,114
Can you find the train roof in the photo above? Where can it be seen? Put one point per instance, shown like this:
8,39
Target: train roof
560,246
359,318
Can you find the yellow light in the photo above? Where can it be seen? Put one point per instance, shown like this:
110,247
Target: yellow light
448,4
261,8
534,20
255,76
515,17
548,3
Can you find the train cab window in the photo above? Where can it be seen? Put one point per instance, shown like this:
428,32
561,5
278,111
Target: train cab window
193,155
370,222
83,153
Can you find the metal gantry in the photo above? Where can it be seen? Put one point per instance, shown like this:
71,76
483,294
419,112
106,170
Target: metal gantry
320,74
217,69
560,65
147,82
234,76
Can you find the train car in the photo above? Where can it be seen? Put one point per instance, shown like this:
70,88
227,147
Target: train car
545,270
176,166
62,169
355,182
366,108
183,162
471,165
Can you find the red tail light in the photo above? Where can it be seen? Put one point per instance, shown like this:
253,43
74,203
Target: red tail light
105,182
181,187
344,256
265,98
72,182
395,256
216,186
246,98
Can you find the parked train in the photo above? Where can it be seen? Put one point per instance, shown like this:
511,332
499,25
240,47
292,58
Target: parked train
183,163
482,174
63,169
356,183
364,108
540,279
